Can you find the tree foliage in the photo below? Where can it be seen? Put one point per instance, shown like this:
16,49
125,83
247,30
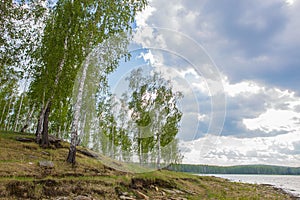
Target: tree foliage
154,108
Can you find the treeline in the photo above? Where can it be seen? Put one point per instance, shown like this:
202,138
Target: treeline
239,169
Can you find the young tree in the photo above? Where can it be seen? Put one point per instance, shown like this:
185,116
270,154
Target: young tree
140,113
124,129
155,111
103,139
166,114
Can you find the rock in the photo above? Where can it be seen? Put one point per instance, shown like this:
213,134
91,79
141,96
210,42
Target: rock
169,191
188,192
33,157
81,197
141,195
178,191
46,164
62,198
154,187
125,193
126,197
46,153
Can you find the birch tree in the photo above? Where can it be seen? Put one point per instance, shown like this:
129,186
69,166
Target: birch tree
154,106
139,112
105,20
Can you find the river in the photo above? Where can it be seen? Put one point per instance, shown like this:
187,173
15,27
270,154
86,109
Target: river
289,183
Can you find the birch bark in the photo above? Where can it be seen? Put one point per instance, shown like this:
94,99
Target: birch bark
76,117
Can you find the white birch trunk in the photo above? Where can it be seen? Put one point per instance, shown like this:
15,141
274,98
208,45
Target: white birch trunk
81,135
65,129
158,151
140,147
28,119
112,146
18,115
59,131
9,127
3,112
158,136
77,108
7,117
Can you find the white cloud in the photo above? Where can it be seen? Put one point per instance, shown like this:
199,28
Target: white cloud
141,18
244,87
202,86
274,120
236,151
280,112
190,71
290,2
148,57
202,117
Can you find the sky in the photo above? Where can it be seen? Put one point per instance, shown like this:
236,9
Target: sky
238,65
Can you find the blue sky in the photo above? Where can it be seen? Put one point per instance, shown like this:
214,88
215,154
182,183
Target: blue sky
242,54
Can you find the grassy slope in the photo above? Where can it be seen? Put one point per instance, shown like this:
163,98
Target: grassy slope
21,177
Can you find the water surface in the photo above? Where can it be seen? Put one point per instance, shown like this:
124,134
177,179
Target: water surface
289,183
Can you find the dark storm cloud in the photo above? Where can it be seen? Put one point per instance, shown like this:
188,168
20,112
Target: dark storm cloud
249,25
254,40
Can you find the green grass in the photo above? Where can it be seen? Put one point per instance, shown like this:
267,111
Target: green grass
104,178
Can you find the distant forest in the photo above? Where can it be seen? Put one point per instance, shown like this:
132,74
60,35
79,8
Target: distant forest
240,169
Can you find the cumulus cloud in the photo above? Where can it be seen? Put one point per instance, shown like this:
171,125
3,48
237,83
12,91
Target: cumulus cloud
260,110
244,87
227,150
274,120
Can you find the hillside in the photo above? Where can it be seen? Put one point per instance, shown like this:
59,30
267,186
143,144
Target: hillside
30,172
